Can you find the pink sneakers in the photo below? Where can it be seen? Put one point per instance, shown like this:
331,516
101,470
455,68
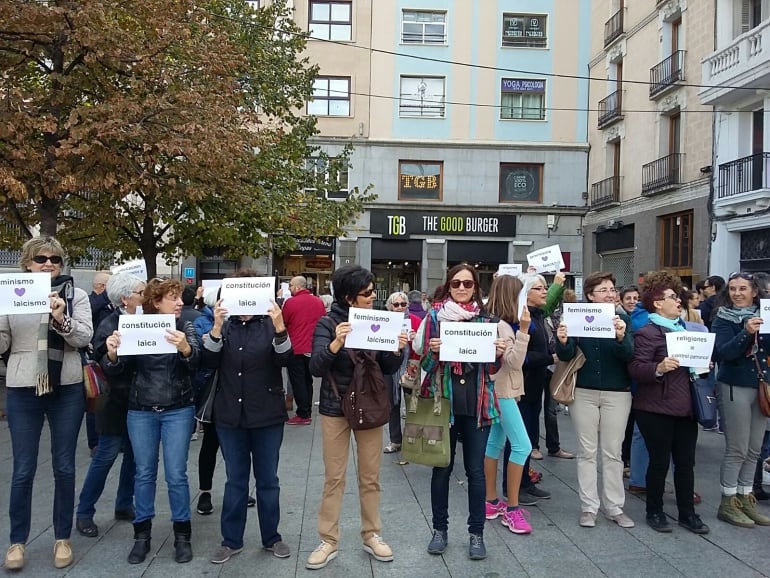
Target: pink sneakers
495,510
516,521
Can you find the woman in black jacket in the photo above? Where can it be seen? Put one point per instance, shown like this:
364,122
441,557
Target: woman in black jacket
249,413
161,410
353,287
125,293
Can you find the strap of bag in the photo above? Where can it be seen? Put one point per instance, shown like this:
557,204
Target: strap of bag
760,373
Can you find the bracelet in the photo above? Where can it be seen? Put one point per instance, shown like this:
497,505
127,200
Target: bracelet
65,326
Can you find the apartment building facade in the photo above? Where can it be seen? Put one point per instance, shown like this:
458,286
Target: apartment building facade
651,139
736,77
466,117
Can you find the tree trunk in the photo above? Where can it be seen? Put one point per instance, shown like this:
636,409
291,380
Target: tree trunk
49,216
149,247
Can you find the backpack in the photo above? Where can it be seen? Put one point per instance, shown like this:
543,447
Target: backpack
366,403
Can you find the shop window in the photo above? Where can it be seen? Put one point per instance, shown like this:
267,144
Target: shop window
423,27
521,183
676,237
525,30
331,96
420,180
334,184
422,97
331,20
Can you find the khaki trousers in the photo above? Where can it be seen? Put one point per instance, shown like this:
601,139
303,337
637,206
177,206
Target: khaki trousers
336,447
600,419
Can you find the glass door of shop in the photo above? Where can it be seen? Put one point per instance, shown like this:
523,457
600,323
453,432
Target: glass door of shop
390,277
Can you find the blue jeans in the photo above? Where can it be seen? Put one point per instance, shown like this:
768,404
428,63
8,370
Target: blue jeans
106,453
242,448
640,460
147,429
64,412
474,446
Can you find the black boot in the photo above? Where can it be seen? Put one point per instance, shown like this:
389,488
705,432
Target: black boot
759,491
182,546
142,535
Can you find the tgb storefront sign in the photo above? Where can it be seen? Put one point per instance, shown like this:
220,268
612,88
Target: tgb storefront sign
404,224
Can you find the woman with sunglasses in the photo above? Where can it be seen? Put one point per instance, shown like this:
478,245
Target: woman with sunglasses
161,408
474,405
663,405
741,355
353,287
45,382
601,407
398,301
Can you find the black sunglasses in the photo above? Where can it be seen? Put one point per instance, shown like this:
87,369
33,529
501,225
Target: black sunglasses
467,283
55,259
399,304
366,293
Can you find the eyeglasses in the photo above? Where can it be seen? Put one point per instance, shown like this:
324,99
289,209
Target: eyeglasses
539,288
742,275
366,293
400,304
605,291
41,259
137,292
467,283
671,296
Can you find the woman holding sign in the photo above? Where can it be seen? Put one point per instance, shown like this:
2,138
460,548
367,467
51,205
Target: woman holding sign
45,382
353,287
663,405
601,407
160,411
474,403
741,353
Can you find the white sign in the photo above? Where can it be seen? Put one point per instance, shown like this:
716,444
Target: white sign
285,291
138,268
512,269
25,293
546,260
589,319
406,326
764,312
691,348
471,342
248,295
374,329
145,334
210,284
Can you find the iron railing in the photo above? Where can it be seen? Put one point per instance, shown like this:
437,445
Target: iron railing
666,73
662,174
743,175
613,28
610,108
606,192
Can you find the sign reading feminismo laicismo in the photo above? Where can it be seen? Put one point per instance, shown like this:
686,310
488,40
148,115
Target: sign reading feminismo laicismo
403,224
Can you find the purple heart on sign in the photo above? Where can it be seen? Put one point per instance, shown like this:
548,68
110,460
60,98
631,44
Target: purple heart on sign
375,327
590,318
544,257
19,291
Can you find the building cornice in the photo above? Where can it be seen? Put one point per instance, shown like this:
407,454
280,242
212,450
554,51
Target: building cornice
450,144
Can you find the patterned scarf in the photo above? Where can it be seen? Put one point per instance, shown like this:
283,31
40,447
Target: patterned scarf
50,344
738,314
439,372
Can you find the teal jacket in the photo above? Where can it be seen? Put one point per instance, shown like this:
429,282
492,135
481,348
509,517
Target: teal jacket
606,366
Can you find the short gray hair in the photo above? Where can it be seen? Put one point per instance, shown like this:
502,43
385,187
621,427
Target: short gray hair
32,248
122,285
393,297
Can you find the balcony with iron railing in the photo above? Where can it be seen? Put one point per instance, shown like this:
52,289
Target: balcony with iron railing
744,185
667,73
605,193
742,64
613,28
662,174
610,108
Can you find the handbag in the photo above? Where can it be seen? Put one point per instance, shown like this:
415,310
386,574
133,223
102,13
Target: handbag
426,431
94,380
410,379
763,390
564,378
704,401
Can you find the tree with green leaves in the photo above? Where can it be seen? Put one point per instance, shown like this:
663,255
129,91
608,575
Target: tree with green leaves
160,127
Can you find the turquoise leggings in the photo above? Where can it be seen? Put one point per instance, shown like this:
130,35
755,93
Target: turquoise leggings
511,426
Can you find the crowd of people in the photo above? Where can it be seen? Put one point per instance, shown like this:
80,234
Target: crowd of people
632,412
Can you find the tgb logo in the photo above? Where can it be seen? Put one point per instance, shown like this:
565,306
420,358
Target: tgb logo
397,225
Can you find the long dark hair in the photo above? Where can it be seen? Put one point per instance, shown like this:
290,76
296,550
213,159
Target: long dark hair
442,292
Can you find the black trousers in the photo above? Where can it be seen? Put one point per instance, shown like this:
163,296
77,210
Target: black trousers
301,384
669,438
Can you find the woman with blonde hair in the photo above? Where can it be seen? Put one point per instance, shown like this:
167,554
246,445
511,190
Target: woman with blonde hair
509,386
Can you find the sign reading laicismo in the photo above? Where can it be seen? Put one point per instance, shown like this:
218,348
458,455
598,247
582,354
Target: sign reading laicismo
403,224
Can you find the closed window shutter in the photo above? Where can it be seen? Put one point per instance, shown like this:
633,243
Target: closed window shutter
746,6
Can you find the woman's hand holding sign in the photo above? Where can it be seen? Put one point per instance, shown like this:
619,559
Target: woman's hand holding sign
179,340
340,333
113,342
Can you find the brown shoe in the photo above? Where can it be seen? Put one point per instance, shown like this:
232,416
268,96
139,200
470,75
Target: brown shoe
14,559
637,489
562,454
62,554
536,454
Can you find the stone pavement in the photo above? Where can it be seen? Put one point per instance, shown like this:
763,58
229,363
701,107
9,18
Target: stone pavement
558,546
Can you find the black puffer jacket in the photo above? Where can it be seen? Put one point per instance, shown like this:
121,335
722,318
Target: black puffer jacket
161,380
539,356
112,411
322,361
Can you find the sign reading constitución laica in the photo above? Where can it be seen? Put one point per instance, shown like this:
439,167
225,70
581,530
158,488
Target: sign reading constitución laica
403,224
